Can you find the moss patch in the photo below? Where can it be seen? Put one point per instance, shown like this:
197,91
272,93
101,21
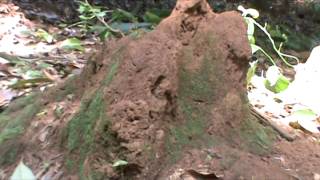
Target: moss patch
10,155
196,95
257,138
14,120
82,128
69,87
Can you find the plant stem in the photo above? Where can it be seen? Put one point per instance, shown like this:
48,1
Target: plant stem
280,54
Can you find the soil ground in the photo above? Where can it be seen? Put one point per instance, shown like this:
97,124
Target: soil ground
171,103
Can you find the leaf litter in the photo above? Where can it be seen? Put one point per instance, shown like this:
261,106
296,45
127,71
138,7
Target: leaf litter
35,56
297,106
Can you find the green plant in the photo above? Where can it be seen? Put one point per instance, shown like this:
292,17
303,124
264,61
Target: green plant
92,18
72,44
250,15
106,23
274,81
44,35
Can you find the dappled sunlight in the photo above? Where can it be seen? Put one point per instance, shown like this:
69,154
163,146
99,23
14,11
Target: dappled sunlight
302,96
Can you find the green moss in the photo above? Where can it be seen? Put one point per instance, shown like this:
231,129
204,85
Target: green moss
14,120
20,104
111,74
82,128
229,160
68,88
96,176
257,138
196,95
199,91
70,164
9,156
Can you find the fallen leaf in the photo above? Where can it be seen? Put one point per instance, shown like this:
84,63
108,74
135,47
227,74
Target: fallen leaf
310,126
21,84
120,163
306,118
6,96
72,44
22,172
44,35
203,175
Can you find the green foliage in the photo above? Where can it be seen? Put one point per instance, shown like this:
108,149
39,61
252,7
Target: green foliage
93,20
281,84
275,81
72,44
123,16
89,12
251,71
304,114
151,17
44,35
246,13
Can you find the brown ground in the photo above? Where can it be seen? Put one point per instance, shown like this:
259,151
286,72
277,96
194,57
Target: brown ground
172,103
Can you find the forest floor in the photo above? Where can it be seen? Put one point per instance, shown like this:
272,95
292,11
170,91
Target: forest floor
29,61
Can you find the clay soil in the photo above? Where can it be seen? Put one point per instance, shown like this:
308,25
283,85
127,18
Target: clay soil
172,103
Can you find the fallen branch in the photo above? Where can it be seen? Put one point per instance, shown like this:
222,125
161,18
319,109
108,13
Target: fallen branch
265,120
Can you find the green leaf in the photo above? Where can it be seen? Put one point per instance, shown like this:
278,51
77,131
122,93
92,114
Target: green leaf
98,29
251,28
305,113
306,119
120,163
273,73
275,81
85,18
83,7
151,18
104,35
101,14
72,44
162,13
22,172
127,27
44,35
254,48
26,83
122,15
31,74
251,71
281,84
252,40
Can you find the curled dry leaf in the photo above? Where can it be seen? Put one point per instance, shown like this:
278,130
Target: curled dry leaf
6,96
